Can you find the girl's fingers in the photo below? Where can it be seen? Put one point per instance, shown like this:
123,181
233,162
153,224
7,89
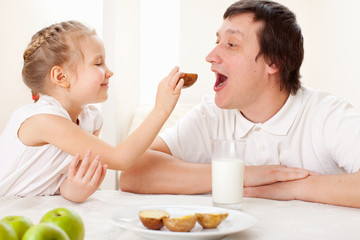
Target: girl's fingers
176,81
78,166
96,175
179,86
173,71
92,169
73,164
84,164
103,173
168,78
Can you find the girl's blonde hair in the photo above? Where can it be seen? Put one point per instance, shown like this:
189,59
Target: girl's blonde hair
54,45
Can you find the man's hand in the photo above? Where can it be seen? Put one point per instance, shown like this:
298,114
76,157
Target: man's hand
268,174
84,178
273,181
285,190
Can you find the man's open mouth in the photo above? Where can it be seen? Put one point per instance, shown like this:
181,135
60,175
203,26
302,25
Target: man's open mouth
220,80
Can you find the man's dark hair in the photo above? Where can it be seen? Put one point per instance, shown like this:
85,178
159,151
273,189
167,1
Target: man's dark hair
280,38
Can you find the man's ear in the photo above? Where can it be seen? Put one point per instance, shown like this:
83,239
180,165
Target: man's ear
58,77
272,69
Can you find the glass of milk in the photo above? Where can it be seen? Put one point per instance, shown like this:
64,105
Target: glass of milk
228,163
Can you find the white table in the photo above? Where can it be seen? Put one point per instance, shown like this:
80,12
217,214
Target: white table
276,219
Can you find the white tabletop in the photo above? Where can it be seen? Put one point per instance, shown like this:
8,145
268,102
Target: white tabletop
276,219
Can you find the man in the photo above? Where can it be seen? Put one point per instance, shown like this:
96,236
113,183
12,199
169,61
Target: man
301,144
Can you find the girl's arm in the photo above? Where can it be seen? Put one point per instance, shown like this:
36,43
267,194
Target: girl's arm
66,135
167,96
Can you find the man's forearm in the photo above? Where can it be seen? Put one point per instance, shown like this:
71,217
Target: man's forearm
343,189
158,172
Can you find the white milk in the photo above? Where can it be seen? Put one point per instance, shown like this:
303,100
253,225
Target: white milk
227,182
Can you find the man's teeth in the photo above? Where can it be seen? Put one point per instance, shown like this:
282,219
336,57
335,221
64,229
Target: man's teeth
220,84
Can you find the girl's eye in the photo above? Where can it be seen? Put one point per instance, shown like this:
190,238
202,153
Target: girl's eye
98,64
231,45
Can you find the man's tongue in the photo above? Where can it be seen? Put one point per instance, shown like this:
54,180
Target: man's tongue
220,81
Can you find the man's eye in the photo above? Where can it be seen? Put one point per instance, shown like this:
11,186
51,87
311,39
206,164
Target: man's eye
231,45
98,64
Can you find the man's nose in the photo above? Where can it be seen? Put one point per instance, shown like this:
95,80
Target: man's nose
213,56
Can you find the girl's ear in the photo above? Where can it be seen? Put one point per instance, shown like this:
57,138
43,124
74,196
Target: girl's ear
58,77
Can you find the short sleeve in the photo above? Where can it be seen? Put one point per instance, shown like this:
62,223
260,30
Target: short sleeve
189,139
91,119
339,132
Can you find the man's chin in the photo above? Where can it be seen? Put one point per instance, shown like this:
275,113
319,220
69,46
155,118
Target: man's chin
221,102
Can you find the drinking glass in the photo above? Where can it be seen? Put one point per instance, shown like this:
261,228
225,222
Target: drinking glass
228,163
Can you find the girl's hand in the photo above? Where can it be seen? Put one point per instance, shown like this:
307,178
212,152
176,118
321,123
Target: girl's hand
84,178
168,92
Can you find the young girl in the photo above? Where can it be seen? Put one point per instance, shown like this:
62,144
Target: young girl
65,64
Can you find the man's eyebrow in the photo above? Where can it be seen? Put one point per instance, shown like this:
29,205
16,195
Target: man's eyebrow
232,31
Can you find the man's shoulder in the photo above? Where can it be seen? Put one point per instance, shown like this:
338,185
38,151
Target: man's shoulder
322,104
320,97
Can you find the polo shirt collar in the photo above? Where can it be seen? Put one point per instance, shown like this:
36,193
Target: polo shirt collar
280,123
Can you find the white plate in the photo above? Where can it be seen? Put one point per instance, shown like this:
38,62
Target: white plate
237,221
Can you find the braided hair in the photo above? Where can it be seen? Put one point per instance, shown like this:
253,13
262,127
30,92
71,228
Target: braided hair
51,46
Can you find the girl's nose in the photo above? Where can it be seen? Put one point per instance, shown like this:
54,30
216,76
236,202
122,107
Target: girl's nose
109,74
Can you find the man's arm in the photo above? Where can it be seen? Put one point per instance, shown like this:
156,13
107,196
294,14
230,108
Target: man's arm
159,172
342,189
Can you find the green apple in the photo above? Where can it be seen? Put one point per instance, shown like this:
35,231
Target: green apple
45,231
19,223
7,232
68,220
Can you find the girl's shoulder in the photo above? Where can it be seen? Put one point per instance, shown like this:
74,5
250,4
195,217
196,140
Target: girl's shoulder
45,105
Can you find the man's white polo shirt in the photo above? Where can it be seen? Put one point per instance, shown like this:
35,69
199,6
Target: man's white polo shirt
313,130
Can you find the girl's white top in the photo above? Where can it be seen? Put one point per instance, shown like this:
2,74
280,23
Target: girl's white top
27,170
